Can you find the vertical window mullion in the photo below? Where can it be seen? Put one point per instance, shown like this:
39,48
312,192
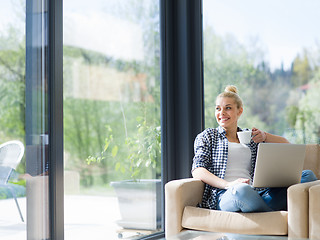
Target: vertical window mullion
55,75
182,110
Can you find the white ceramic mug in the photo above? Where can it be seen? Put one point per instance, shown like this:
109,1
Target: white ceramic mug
245,136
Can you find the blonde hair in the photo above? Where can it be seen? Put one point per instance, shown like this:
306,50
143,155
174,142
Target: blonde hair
231,91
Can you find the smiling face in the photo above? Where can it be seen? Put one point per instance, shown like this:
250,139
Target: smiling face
227,113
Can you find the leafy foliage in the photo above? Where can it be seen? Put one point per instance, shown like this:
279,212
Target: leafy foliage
12,85
143,152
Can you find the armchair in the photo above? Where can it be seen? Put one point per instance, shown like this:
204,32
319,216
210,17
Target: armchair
314,212
182,213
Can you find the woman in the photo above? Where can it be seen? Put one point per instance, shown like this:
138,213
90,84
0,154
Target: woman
227,167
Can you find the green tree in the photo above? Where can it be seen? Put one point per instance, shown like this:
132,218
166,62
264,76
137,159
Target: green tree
85,120
12,85
301,70
227,62
308,116
264,92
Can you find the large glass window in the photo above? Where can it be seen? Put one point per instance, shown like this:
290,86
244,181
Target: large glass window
12,121
24,166
270,51
111,118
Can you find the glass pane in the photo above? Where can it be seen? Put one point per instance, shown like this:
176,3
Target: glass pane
270,51
23,118
111,118
12,122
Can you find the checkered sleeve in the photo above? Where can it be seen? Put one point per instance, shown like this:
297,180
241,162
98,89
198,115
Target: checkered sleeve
202,151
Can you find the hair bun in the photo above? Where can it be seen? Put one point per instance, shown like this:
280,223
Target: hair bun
231,88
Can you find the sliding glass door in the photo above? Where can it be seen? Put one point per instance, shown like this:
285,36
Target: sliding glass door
87,112
12,111
112,147
24,118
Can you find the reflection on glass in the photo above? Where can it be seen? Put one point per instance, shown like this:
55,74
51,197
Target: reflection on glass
111,118
23,108
12,121
270,51
37,139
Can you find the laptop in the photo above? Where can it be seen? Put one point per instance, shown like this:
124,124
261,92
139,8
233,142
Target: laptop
278,164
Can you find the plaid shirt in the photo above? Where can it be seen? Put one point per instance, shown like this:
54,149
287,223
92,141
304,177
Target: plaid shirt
211,152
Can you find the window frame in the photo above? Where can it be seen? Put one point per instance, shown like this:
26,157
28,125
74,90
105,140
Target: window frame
55,83
182,108
181,74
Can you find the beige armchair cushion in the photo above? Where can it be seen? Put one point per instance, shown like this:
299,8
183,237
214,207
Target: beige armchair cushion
298,208
180,193
267,223
314,212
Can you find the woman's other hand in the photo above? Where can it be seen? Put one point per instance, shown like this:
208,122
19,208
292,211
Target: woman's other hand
258,135
237,181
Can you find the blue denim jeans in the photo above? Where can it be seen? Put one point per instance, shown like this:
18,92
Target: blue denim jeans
244,198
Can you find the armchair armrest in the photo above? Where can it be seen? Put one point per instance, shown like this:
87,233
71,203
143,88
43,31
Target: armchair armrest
178,194
314,211
298,209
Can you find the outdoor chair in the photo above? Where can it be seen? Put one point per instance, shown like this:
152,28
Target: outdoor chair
11,154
